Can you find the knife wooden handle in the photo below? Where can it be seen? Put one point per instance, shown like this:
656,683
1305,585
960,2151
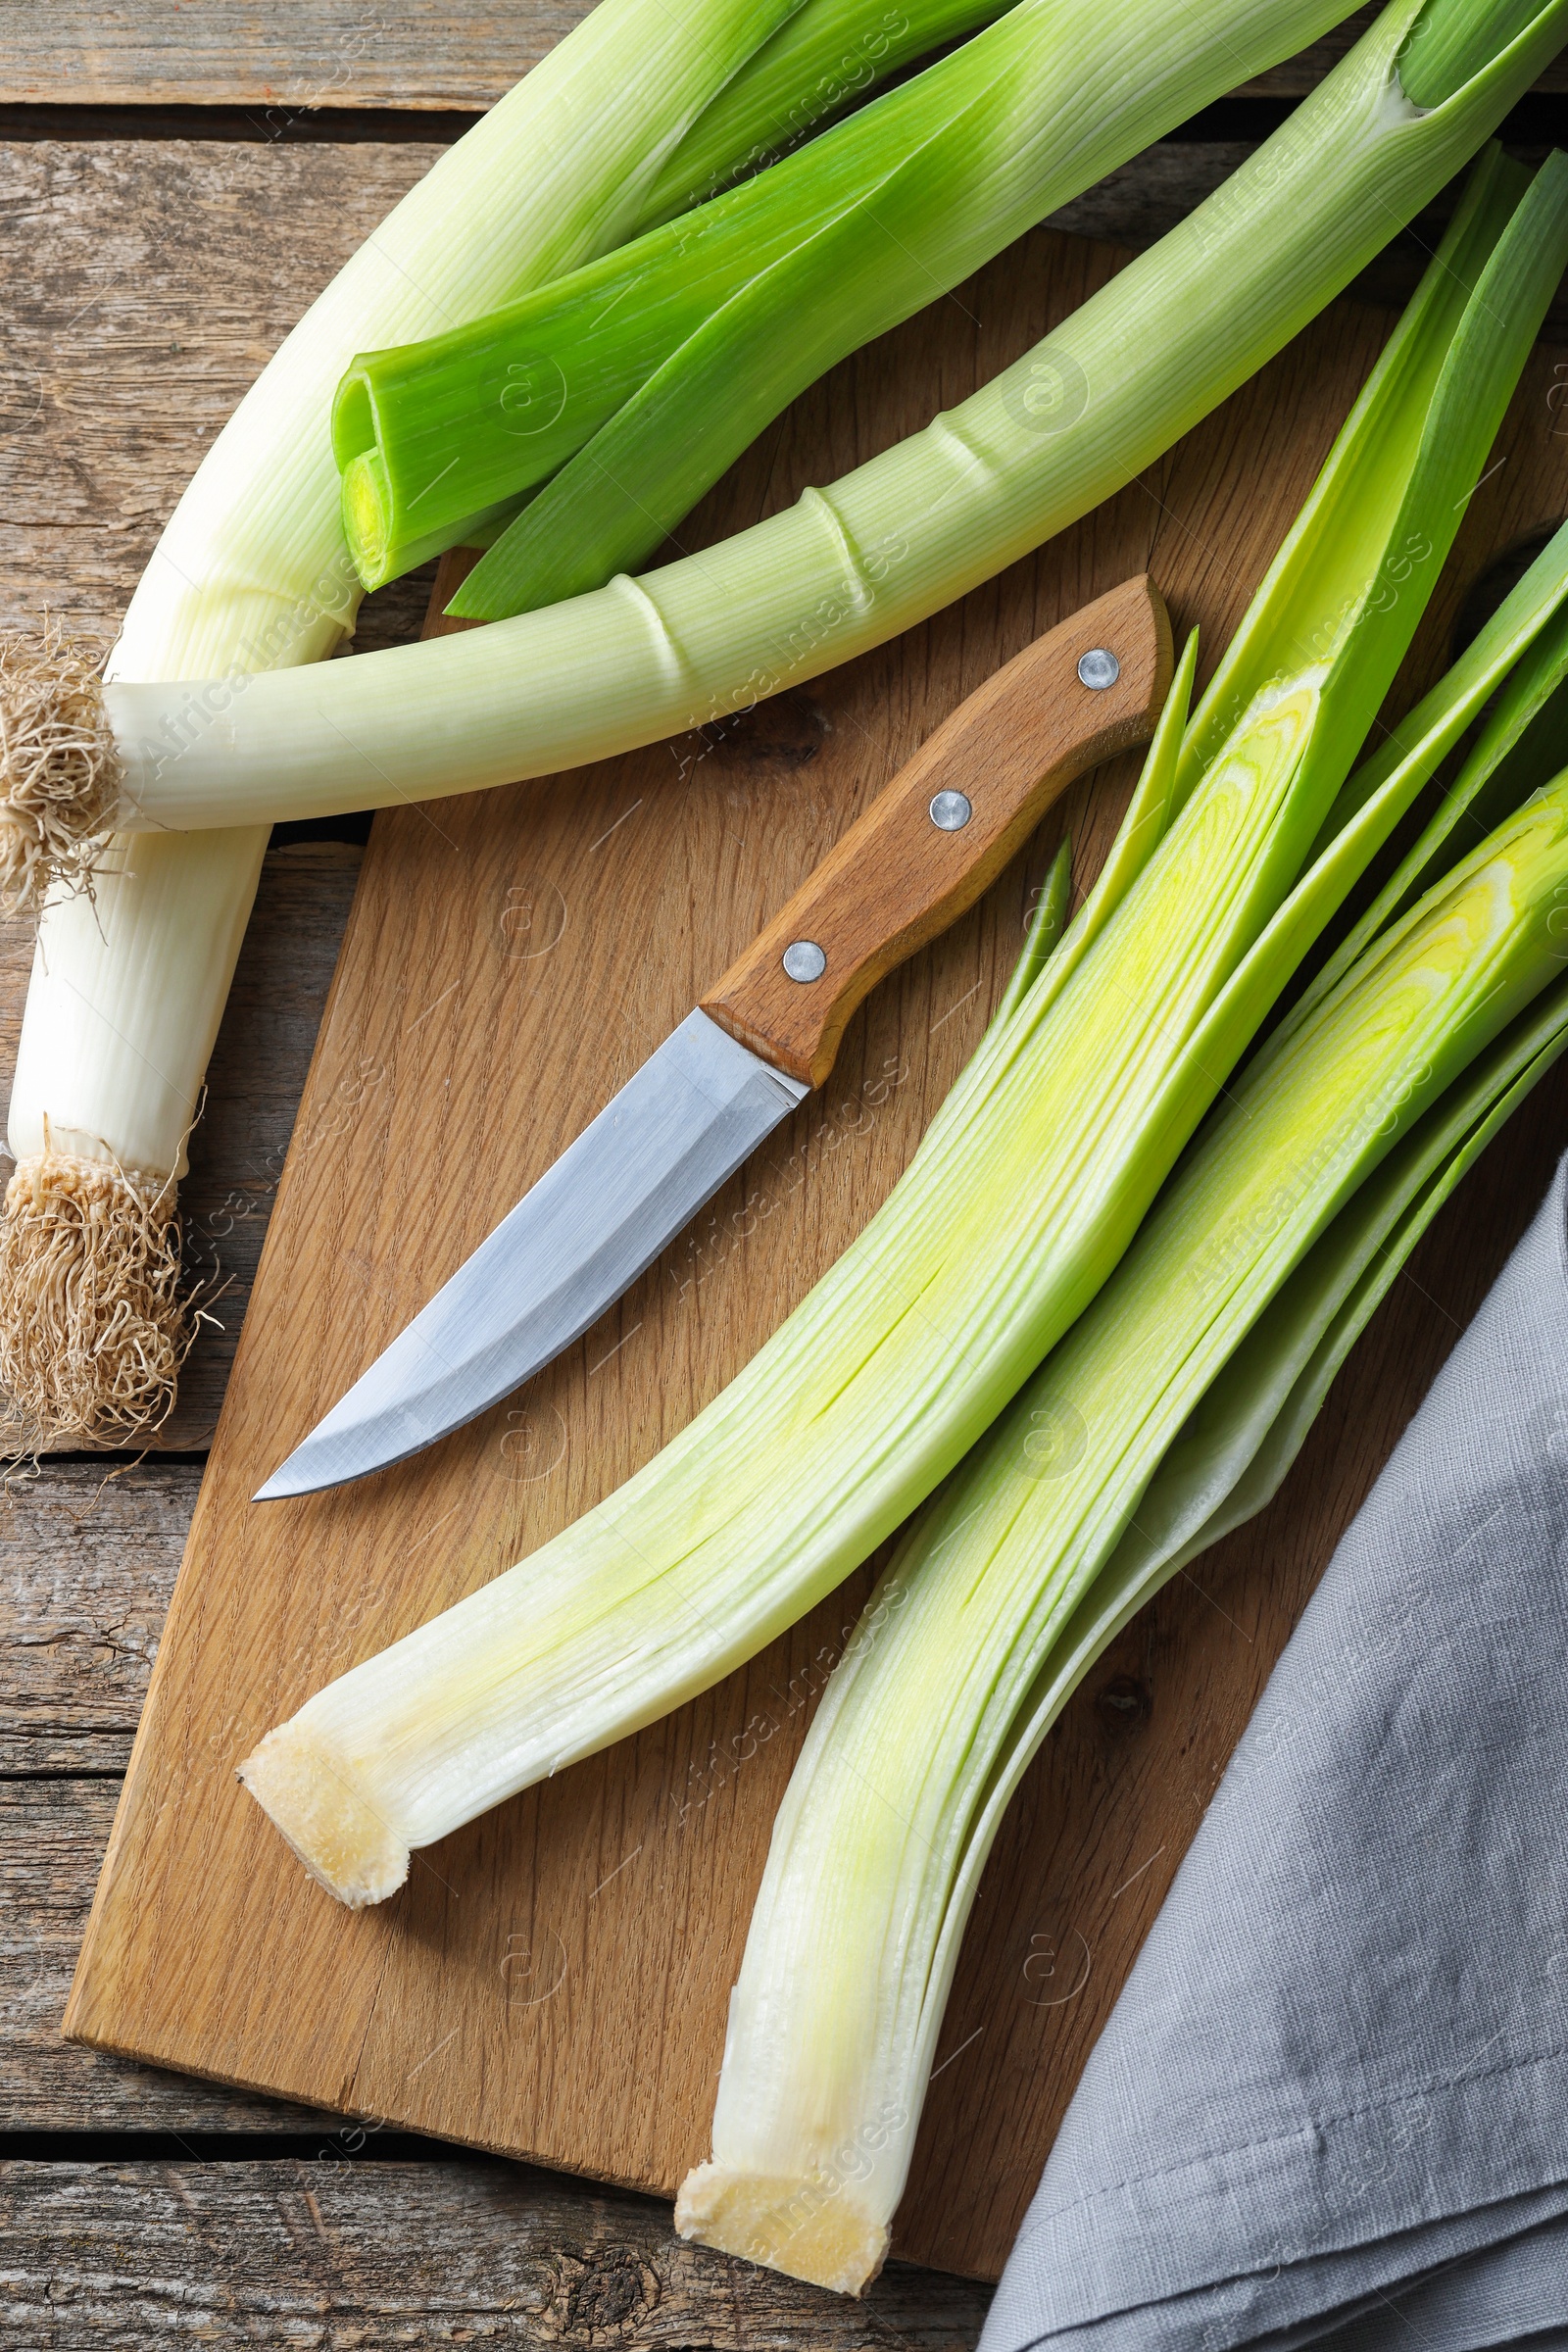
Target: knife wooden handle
915,861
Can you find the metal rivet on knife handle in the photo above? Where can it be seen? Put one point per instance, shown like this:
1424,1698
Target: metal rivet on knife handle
911,864
803,959
1099,667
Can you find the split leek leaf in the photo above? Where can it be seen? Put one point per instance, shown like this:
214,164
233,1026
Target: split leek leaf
1231,1456
828,57
1046,926
769,284
1340,603
1523,744
999,1599
994,1240
848,568
1143,828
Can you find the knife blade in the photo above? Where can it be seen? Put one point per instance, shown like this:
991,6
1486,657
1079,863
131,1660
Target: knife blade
759,1043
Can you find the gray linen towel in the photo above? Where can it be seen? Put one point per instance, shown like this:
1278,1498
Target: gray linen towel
1331,2106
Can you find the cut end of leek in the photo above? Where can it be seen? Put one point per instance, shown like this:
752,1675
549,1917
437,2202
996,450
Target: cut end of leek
60,769
813,2230
367,516
93,1328
306,1792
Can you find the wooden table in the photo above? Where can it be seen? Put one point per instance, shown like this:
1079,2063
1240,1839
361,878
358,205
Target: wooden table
174,182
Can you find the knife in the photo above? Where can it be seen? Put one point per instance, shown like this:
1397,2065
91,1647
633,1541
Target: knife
765,1036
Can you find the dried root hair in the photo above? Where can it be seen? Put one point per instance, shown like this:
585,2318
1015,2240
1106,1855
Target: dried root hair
60,769
93,1323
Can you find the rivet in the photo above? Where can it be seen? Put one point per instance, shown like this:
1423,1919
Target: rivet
1099,667
803,959
950,811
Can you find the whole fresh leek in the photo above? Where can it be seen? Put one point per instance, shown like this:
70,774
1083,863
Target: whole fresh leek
251,575
668,356
1033,1178
849,566
1166,1414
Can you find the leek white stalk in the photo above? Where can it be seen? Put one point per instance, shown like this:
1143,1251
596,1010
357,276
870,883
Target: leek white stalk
848,566
252,574
1166,1414
1028,1186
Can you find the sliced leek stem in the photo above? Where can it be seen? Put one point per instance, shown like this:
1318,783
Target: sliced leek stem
1169,1413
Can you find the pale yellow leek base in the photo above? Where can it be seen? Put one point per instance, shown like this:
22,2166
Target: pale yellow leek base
811,2230
93,1328
306,1792
60,770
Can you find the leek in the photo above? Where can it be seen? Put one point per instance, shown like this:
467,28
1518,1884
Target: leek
848,568
1167,1414
825,58
698,333
251,574
1030,1183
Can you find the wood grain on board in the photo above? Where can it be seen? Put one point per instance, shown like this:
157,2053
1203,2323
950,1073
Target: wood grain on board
553,1980
296,54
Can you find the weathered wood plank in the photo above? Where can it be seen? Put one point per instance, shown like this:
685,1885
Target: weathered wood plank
147,285
283,58
87,1557
352,2252
299,54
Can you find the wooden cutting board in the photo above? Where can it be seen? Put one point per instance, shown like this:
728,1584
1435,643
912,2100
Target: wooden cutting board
552,1980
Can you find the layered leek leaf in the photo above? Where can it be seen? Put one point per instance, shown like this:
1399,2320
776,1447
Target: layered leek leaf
851,564
685,342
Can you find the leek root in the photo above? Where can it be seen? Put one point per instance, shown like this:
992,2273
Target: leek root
94,1251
